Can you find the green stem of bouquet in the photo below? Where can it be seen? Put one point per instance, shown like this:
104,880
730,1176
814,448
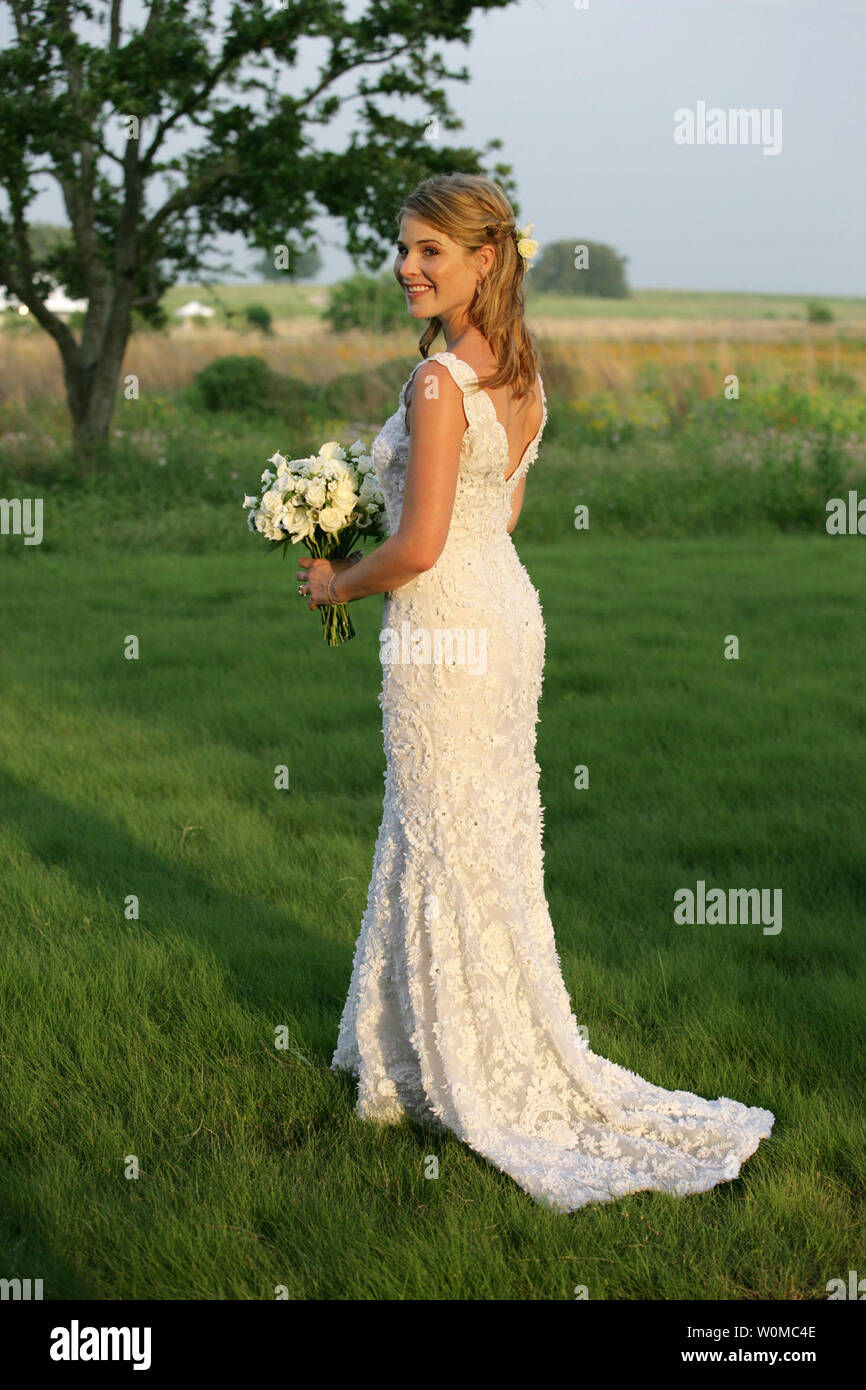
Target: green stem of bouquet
336,623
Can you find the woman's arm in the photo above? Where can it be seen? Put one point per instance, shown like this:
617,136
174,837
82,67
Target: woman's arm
439,425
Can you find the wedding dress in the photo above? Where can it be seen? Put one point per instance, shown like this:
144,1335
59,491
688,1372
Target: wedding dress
457,1014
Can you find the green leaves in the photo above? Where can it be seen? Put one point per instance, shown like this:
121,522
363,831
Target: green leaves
194,125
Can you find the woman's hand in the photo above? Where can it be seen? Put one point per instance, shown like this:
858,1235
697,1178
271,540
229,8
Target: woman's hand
316,576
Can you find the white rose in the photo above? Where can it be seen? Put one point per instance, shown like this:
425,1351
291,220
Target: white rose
268,527
272,502
336,468
250,501
315,492
357,448
331,519
293,517
343,495
302,525
331,450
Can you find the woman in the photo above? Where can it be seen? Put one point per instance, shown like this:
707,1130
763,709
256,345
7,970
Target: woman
457,1013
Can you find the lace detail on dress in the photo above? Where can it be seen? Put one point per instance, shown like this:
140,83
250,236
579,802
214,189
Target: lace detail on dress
457,1014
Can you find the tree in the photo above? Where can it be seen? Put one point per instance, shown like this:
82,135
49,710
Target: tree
303,266
580,267
374,303
46,237
66,102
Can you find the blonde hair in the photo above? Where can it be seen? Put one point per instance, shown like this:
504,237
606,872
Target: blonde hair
474,212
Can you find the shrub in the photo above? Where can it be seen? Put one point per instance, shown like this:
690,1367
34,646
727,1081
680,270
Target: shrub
374,303
603,419
818,312
234,383
258,316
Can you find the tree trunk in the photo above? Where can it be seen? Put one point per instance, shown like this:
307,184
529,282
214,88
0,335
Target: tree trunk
91,391
91,429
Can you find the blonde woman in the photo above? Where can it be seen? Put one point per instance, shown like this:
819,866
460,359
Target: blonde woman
457,1014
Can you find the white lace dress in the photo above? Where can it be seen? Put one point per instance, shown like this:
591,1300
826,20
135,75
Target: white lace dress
457,1014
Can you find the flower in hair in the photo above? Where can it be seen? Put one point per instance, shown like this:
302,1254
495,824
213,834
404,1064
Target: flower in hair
527,246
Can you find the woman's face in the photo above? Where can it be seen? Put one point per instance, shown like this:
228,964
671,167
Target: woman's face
434,272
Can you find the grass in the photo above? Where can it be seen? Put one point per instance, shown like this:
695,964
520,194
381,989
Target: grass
641,434
166,913
284,299
155,1037
288,301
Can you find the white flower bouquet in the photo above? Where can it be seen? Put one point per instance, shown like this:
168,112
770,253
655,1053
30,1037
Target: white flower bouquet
328,501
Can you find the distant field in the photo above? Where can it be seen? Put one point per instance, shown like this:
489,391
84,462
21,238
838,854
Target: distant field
695,304
286,301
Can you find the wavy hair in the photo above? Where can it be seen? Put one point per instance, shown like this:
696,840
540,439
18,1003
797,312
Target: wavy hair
474,212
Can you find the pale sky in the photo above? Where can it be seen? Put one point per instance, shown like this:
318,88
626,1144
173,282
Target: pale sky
584,100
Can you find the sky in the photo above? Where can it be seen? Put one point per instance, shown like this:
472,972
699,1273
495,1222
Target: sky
585,96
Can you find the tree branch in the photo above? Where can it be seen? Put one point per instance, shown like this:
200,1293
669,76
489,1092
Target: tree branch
361,61
187,109
23,288
114,26
189,196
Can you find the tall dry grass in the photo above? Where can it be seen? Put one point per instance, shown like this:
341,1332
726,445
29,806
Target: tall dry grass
619,365
599,355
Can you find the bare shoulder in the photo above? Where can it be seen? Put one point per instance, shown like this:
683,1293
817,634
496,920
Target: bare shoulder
435,398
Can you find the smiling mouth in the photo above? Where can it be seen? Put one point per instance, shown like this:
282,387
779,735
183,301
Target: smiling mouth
415,290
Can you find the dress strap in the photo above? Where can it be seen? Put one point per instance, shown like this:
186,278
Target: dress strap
458,369
464,376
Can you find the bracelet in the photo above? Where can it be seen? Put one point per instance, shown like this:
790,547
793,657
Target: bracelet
354,558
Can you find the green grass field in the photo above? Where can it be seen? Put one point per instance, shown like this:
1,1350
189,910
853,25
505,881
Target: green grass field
150,1039
286,300
155,1037
695,304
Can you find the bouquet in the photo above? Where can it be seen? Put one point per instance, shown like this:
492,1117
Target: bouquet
328,501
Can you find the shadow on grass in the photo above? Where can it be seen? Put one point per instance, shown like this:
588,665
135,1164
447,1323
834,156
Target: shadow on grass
98,854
